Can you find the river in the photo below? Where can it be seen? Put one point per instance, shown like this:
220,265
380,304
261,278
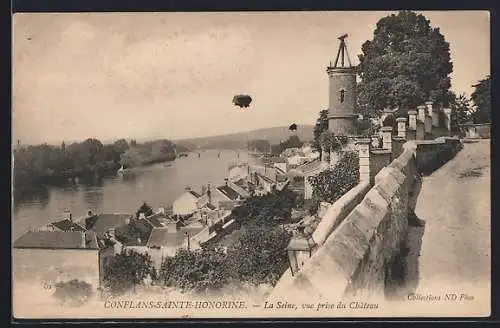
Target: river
158,185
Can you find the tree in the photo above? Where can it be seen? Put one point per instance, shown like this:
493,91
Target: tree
481,97
461,110
127,269
406,63
320,126
146,209
121,145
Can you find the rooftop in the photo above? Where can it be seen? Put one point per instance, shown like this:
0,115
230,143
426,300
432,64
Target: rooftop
68,225
228,192
56,240
101,223
194,193
311,166
155,219
266,179
136,233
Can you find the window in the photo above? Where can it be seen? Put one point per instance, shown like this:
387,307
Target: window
342,95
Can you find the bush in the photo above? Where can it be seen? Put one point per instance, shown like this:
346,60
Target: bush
331,184
73,292
259,255
198,270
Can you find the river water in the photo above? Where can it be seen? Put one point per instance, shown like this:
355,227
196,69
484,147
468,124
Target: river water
158,185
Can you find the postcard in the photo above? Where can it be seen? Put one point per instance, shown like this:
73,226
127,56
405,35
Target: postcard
267,165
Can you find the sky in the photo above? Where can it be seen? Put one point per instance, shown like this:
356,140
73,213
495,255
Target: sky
174,75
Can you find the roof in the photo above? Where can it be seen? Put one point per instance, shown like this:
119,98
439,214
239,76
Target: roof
300,243
278,160
136,233
266,179
240,182
311,166
155,219
101,223
228,192
68,225
194,193
210,206
158,237
56,240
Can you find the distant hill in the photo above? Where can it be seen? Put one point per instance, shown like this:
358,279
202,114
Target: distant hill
239,140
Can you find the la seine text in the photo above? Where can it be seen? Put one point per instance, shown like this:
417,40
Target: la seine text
139,304
354,305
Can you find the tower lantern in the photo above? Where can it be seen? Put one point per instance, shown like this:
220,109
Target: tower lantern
342,93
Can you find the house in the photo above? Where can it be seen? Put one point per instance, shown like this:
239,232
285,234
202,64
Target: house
267,185
47,257
187,203
281,163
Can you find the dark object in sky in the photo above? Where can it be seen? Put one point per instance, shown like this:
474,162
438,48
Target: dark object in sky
242,100
293,127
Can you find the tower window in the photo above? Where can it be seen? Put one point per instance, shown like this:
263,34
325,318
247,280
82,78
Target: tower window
342,95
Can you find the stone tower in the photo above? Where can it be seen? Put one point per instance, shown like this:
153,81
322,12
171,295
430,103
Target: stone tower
342,93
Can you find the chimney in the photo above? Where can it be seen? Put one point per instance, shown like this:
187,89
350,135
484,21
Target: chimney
89,213
142,216
139,241
83,241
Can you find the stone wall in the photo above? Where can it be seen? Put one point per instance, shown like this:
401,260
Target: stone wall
359,252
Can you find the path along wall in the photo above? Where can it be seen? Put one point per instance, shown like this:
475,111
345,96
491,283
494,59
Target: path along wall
363,233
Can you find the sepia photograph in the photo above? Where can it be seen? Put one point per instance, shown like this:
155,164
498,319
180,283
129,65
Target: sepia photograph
300,164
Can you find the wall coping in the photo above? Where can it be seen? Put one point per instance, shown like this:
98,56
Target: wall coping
381,151
337,211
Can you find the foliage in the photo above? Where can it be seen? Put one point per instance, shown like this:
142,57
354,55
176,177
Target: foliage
260,145
275,207
292,142
461,109
481,97
406,63
73,292
197,270
148,153
46,164
125,270
331,184
146,209
258,255
320,126
330,142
